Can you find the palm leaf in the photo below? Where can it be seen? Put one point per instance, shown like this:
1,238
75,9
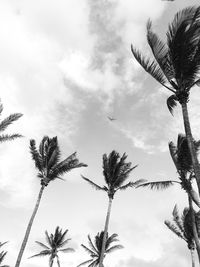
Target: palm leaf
160,185
42,245
41,254
174,229
2,244
150,66
92,245
87,249
160,52
172,103
85,262
116,247
177,219
35,155
96,186
9,137
66,250
9,120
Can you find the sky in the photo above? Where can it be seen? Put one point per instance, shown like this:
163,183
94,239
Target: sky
67,65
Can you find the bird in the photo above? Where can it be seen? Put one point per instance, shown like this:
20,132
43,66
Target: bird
111,118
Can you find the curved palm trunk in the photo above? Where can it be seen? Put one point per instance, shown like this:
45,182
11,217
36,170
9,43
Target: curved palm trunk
188,133
196,238
192,257
105,233
28,229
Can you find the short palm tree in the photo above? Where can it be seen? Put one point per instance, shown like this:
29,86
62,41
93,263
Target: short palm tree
2,255
55,244
182,227
182,159
47,161
116,171
95,247
176,64
5,123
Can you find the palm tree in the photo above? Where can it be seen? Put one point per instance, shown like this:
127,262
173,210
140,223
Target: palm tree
95,247
5,123
175,65
116,171
182,227
55,244
47,161
182,159
2,255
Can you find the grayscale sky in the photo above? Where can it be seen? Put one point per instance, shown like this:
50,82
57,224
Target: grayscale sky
67,65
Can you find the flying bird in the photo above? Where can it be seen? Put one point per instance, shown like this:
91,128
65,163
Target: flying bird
111,118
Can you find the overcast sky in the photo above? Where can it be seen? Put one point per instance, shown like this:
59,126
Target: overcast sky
66,65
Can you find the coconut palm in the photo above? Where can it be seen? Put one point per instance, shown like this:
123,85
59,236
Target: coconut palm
175,65
2,255
55,244
182,159
116,171
5,123
182,227
47,161
95,247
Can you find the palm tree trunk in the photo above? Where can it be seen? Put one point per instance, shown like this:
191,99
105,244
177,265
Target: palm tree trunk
192,257
105,233
28,229
196,238
188,133
58,262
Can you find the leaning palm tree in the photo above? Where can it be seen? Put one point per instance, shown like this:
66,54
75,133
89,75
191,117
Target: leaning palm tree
95,248
116,171
55,244
182,159
182,227
47,161
176,64
5,123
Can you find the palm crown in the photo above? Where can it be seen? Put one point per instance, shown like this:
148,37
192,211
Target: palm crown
47,160
55,244
116,171
95,247
182,226
176,63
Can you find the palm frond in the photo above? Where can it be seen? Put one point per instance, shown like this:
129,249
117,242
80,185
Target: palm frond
160,52
67,250
112,249
9,120
177,219
41,254
132,184
174,229
150,66
92,246
96,186
42,245
2,244
84,263
159,185
9,137
88,250
35,155
172,103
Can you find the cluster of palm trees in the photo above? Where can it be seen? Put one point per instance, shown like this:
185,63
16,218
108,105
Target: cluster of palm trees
176,66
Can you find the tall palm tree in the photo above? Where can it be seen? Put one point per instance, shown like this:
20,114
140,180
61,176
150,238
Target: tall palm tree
182,227
2,255
47,161
95,247
116,171
55,244
182,159
176,64
5,123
